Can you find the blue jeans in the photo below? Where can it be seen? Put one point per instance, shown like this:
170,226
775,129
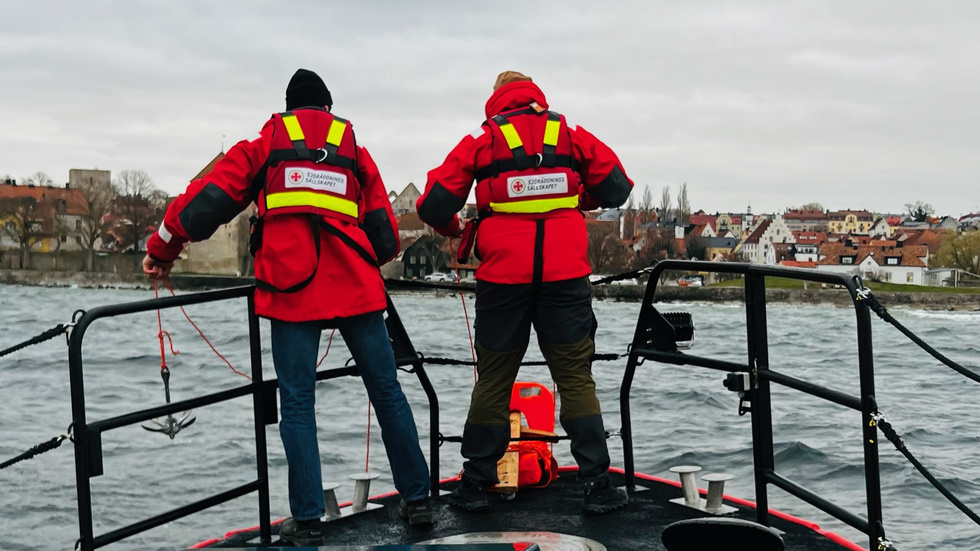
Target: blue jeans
294,351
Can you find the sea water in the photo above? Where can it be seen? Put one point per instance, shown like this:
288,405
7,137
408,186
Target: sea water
681,415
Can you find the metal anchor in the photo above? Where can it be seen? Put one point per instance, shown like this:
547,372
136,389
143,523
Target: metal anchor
170,424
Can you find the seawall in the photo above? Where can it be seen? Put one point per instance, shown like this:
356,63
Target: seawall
834,297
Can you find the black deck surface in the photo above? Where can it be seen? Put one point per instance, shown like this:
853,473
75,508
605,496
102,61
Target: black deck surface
552,509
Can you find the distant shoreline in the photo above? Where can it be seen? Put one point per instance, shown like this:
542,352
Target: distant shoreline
624,293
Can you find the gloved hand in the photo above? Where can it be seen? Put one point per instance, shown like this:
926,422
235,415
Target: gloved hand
155,269
453,229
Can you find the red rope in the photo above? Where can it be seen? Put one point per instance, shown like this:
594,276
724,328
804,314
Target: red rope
466,315
367,453
161,333
330,340
199,332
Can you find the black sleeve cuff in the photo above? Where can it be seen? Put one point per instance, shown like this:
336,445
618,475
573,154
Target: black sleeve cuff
614,190
379,232
207,211
440,206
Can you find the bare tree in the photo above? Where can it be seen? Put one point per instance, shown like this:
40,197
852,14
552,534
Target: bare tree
23,223
100,196
646,203
606,251
630,203
919,210
962,251
683,205
665,203
812,206
59,223
138,205
697,247
39,178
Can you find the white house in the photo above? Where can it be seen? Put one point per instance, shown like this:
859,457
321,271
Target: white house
905,265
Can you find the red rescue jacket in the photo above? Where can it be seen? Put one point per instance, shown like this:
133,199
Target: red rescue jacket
534,172
320,240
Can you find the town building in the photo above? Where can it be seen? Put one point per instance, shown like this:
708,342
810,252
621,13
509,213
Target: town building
894,264
806,220
225,252
850,221
719,249
49,217
404,202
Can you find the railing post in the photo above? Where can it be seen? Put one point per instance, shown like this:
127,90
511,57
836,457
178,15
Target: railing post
640,339
872,475
261,450
80,432
758,345
626,430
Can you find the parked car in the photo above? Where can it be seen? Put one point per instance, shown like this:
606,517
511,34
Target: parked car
691,280
440,277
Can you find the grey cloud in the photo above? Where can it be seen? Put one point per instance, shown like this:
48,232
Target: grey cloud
869,104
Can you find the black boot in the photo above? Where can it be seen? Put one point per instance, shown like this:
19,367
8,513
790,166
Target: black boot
303,533
601,496
417,513
469,496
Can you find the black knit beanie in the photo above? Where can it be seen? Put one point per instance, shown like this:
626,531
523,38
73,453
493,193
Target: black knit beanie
307,89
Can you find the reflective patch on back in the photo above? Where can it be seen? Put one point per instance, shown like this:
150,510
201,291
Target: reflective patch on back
478,132
539,184
322,180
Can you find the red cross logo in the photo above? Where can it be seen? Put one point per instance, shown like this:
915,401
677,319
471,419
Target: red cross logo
295,176
518,186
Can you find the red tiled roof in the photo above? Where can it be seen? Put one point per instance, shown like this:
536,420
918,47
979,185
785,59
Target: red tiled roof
805,215
927,238
798,264
75,202
701,219
910,255
410,222
810,237
210,166
861,215
758,231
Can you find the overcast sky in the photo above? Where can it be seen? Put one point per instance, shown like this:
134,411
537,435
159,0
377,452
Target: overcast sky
774,104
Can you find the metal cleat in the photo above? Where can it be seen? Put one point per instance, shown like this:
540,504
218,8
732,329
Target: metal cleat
362,487
689,486
331,507
716,490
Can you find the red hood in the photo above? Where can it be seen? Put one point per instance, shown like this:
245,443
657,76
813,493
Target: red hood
514,96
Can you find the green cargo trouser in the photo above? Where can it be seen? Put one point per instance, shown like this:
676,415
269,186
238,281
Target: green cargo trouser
562,317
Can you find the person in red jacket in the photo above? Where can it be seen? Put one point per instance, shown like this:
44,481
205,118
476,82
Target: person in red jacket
324,225
534,174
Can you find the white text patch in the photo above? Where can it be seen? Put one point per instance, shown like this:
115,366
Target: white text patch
316,179
539,184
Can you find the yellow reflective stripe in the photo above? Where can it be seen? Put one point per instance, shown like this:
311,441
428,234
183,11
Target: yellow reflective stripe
513,140
292,128
551,132
310,199
534,206
336,132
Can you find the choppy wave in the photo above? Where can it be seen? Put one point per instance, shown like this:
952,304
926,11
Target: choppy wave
680,414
